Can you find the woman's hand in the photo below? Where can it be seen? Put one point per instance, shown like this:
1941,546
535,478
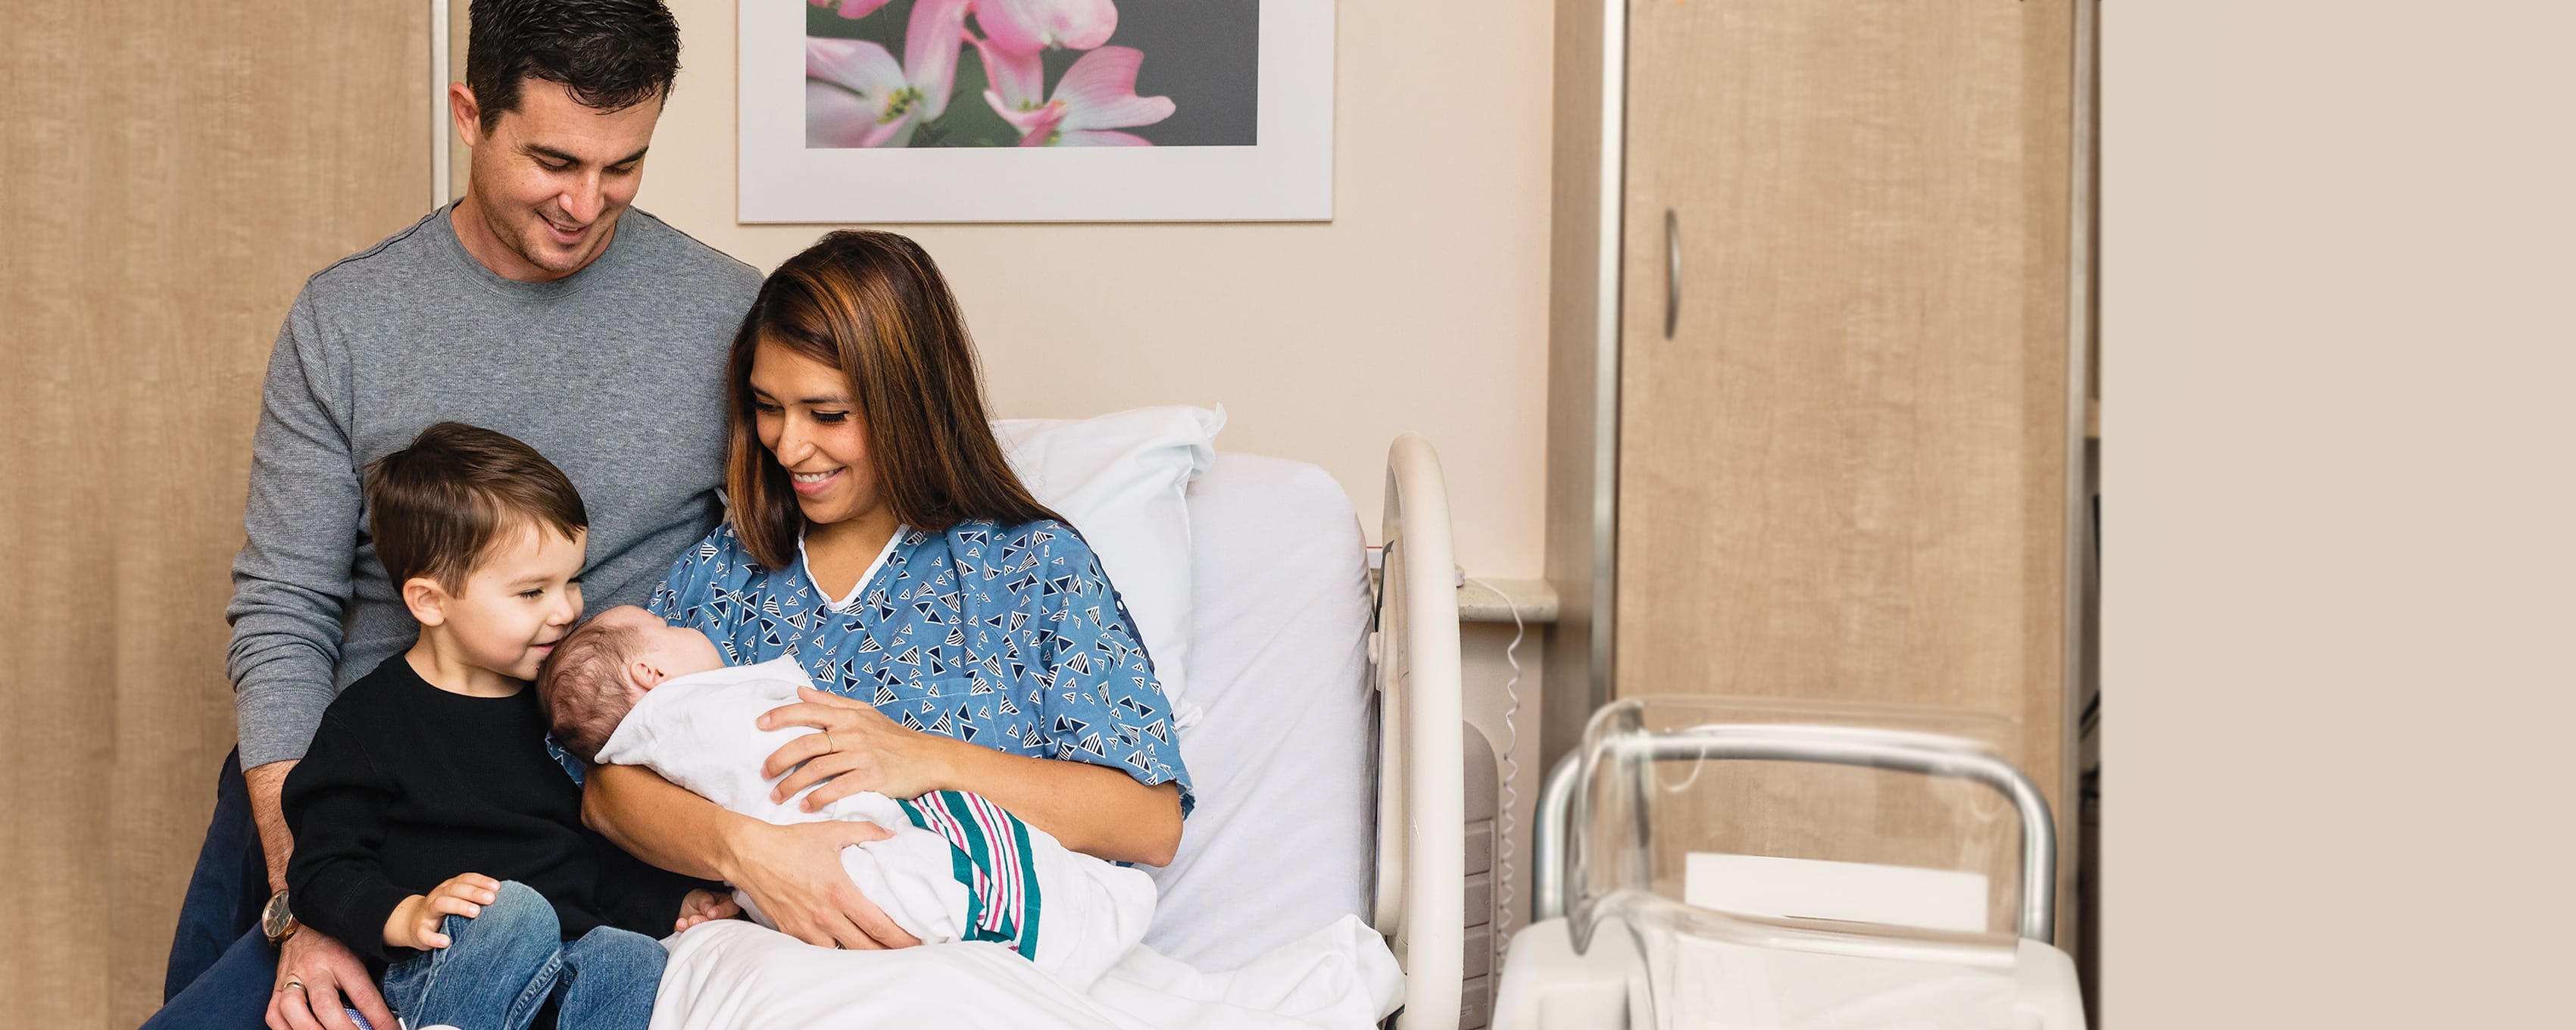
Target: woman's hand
702,905
794,876
859,750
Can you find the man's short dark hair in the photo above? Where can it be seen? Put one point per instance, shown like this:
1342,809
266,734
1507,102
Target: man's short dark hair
612,54
438,507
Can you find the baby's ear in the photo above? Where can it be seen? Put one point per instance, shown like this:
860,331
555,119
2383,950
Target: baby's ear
644,675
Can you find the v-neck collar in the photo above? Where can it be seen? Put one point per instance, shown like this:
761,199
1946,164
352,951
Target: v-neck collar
846,605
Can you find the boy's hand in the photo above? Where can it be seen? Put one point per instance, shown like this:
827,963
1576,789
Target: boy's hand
414,923
702,905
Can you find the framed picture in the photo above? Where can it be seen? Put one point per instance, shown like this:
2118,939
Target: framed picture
1036,110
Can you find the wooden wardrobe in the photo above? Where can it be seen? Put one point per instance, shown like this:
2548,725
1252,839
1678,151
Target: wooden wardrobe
1815,426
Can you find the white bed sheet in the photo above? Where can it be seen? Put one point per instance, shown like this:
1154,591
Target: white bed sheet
1282,839
733,975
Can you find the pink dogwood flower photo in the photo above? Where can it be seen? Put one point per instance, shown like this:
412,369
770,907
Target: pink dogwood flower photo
1048,70
1095,96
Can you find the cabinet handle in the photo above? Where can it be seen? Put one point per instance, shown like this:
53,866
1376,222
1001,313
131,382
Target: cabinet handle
1672,271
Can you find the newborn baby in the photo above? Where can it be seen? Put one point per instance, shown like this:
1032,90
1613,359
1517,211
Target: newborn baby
628,689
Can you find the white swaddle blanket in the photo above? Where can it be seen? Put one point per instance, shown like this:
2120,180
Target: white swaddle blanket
958,868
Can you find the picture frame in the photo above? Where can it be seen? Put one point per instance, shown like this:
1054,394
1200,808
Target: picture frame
798,166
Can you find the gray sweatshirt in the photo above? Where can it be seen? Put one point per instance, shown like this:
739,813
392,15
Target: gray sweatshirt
614,373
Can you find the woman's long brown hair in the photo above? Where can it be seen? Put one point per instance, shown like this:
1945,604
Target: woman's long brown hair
874,306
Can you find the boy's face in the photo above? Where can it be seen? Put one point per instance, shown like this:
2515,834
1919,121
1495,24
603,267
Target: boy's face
524,596
661,650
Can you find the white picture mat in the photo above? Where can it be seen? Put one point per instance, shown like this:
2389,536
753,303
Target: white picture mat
1287,176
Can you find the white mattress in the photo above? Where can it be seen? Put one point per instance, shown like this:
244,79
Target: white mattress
1280,842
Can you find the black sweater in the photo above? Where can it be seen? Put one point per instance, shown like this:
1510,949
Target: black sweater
407,785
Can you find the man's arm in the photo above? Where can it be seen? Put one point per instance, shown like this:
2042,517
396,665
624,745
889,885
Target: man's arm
290,586
267,783
291,581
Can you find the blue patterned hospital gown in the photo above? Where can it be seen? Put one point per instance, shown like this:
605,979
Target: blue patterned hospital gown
1011,638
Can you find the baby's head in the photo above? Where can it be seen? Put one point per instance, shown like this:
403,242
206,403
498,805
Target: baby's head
605,665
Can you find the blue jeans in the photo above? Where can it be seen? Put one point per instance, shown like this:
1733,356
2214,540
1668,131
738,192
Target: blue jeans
501,967
231,993
224,894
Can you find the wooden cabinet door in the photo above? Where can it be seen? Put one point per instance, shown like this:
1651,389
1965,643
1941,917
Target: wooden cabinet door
1841,474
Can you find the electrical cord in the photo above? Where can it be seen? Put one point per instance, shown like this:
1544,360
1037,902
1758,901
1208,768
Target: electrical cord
1503,821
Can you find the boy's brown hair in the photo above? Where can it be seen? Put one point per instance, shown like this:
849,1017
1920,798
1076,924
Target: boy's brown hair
437,507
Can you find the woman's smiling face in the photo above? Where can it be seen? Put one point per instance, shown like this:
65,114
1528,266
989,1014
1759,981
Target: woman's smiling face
810,423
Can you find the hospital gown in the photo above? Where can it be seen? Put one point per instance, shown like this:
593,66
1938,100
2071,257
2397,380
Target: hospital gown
1009,637
958,867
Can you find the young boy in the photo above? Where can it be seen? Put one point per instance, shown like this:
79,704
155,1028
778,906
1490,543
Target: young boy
627,688
434,835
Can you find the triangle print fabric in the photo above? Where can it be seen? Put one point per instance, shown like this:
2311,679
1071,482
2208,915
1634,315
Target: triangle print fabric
1011,638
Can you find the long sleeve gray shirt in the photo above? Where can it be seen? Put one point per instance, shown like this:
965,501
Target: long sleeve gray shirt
614,373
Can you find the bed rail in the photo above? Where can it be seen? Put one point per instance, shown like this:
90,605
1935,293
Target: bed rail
1421,850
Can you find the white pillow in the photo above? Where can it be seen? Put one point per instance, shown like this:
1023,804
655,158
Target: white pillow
1119,479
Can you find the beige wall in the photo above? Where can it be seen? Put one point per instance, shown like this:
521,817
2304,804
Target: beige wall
2336,598
1421,307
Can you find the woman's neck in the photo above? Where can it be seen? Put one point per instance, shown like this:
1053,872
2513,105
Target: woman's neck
838,554
444,666
857,538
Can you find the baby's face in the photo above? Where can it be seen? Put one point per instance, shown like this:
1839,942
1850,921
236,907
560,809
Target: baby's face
662,650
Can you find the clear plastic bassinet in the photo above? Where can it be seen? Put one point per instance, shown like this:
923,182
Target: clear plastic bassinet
1762,864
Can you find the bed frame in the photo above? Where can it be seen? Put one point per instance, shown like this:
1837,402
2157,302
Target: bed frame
1414,664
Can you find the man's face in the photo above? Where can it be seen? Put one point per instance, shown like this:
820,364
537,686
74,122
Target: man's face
550,179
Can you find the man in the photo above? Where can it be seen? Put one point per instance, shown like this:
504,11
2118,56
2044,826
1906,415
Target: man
538,305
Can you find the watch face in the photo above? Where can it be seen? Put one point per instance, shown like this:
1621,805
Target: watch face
274,919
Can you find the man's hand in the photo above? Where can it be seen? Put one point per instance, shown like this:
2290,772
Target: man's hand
316,978
702,905
793,873
415,922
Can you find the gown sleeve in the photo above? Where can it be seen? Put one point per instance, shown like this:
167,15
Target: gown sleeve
1102,703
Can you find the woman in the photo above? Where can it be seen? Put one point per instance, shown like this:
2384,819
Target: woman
964,636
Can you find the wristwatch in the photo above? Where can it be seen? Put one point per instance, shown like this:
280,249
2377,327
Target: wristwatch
276,922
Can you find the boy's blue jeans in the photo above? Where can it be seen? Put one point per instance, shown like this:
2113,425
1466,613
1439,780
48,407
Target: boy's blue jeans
499,968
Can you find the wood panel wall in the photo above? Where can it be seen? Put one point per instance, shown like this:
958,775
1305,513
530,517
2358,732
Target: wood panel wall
169,175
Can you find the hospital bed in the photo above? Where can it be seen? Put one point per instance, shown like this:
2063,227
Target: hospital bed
1327,758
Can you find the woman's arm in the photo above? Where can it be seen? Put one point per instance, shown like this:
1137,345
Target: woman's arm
1093,809
793,873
